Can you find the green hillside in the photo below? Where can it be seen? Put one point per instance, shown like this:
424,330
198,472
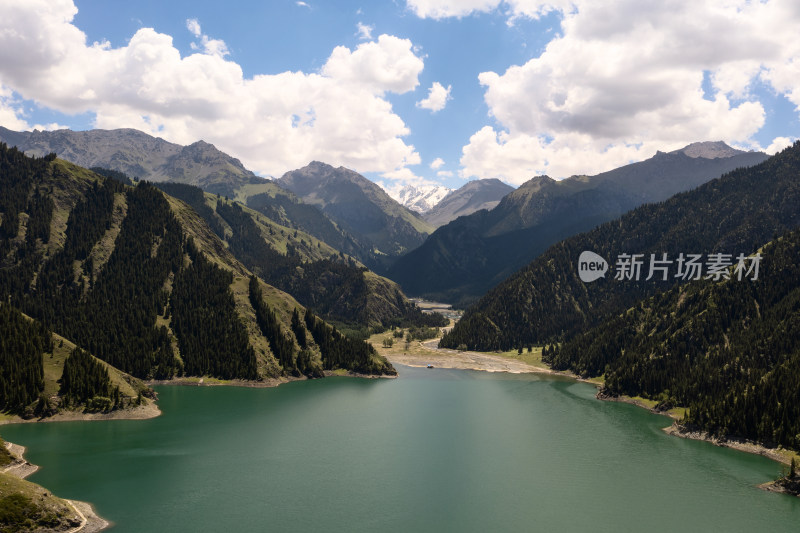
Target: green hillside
139,280
319,277
462,260
547,302
729,350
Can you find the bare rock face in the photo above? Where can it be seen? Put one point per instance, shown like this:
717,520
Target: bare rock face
709,150
471,197
359,206
139,155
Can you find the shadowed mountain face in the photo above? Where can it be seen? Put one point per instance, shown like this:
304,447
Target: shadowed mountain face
471,197
358,206
139,155
463,259
146,283
546,300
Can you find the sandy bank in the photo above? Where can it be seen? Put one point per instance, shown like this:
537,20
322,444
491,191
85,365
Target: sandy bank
90,522
142,412
266,383
444,358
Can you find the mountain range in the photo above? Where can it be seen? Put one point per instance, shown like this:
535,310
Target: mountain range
140,280
546,301
463,259
421,198
138,155
471,197
718,347
357,217
359,206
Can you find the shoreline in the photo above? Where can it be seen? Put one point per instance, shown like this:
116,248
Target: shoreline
91,522
263,384
142,412
445,358
486,362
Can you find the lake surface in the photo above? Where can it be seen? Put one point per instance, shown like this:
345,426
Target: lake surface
435,450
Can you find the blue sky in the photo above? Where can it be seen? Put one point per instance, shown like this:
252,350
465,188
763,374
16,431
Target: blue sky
559,87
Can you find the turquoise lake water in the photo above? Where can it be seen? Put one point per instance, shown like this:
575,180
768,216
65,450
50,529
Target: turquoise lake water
434,450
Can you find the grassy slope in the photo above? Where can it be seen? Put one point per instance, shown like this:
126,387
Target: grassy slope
216,252
46,504
251,189
382,300
65,193
313,249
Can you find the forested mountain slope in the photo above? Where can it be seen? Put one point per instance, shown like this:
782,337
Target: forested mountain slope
727,349
462,260
139,280
319,277
546,300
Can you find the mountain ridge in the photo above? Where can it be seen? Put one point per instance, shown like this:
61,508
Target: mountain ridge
463,259
735,213
140,155
140,280
473,196
361,207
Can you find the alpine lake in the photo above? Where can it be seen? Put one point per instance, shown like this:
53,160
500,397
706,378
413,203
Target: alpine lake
434,450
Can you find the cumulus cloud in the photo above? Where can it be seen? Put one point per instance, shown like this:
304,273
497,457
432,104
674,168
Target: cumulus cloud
778,144
437,98
437,163
445,173
214,47
13,115
272,122
624,79
440,9
193,25
388,64
364,31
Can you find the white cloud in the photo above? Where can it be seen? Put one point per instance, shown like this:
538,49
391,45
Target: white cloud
625,79
778,144
214,47
193,25
440,9
387,64
445,174
302,4
364,31
437,97
394,180
11,113
437,163
272,122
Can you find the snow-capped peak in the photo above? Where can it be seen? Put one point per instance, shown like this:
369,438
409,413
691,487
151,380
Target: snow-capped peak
421,198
